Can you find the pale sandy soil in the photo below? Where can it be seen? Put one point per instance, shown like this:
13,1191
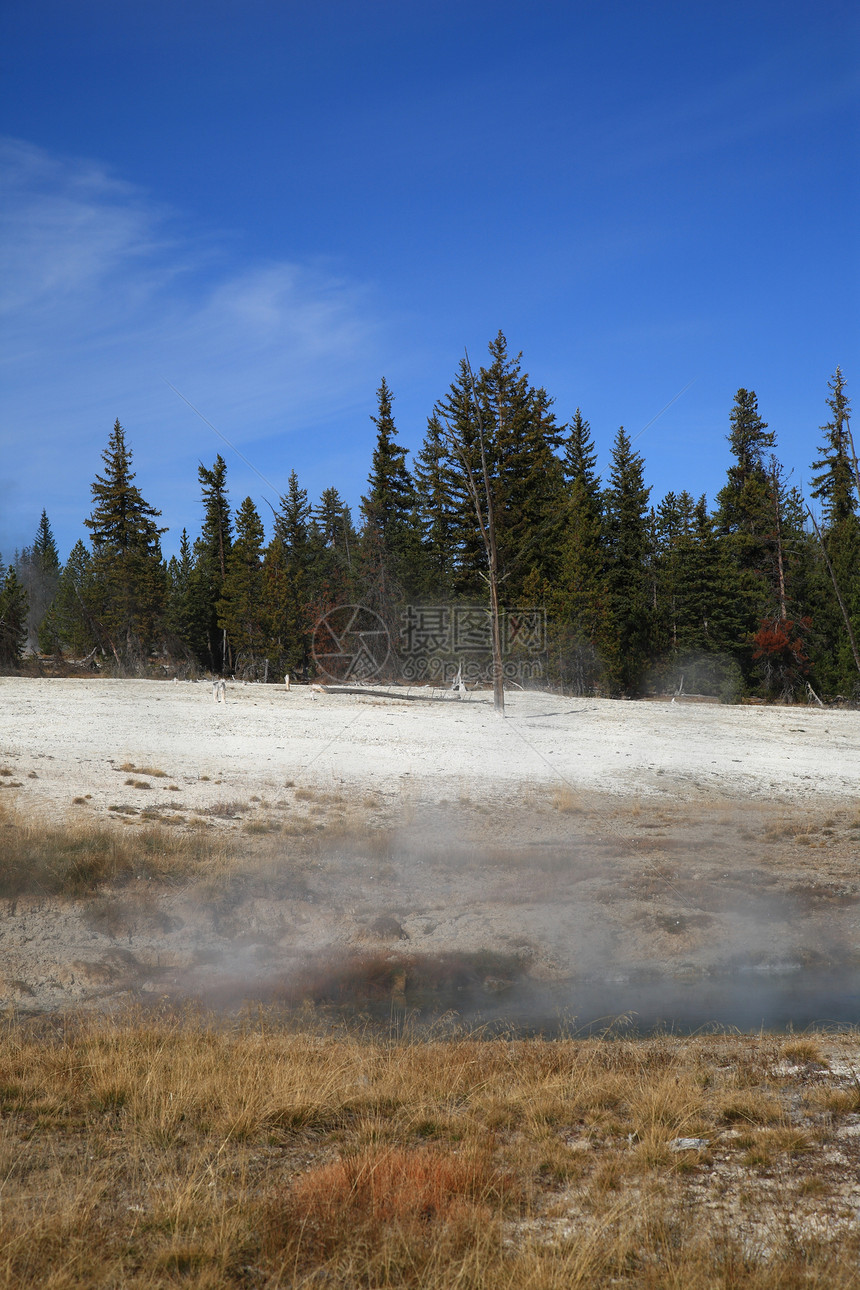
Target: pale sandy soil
614,845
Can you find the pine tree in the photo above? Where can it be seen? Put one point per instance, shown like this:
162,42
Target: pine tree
748,519
211,553
334,524
454,417
287,581
127,574
436,517
390,540
520,436
576,600
240,611
13,617
520,425
697,626
179,613
38,568
836,487
44,546
745,503
333,544
629,615
73,627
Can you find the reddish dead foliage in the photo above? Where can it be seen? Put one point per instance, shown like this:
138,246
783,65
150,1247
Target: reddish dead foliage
780,649
782,638
395,1185
387,1189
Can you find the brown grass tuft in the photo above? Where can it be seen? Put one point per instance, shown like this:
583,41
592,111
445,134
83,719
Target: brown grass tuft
81,855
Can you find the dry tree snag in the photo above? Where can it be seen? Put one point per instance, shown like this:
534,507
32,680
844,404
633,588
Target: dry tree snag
482,500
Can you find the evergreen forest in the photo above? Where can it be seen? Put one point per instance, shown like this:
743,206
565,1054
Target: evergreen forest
755,596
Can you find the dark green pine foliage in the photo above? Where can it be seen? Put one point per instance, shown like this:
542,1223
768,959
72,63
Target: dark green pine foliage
390,542
672,528
334,546
697,619
436,515
628,624
179,612
576,600
211,553
288,583
73,624
13,617
744,503
240,609
126,572
38,568
44,547
333,524
455,415
835,486
526,477
746,512
529,482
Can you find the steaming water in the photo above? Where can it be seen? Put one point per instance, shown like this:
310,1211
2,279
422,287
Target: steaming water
779,997
776,1000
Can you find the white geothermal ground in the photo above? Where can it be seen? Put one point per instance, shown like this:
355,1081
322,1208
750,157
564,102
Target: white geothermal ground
574,845
421,743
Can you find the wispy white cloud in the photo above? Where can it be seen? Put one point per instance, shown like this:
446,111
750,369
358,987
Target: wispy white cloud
105,293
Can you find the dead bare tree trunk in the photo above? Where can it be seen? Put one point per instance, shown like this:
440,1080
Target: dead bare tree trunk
487,527
783,612
842,605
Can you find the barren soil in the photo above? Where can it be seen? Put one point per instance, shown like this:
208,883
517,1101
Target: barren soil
674,859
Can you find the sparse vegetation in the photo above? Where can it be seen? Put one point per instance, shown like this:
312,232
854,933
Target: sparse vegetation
152,771
266,1153
80,856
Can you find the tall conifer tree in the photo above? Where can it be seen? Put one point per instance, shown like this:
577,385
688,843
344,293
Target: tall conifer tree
179,612
13,617
436,515
835,486
239,609
629,617
576,599
287,580
390,540
211,553
127,575
38,568
73,626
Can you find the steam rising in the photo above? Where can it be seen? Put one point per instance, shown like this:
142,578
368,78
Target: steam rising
557,926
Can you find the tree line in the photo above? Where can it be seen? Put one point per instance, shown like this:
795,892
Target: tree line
759,594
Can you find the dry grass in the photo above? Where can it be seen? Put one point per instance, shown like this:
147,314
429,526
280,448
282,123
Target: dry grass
566,801
152,771
81,855
159,1150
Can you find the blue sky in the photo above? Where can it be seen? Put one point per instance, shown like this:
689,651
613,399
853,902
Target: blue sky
272,204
